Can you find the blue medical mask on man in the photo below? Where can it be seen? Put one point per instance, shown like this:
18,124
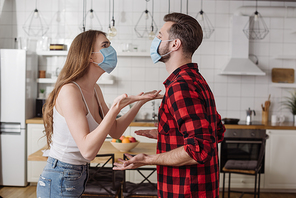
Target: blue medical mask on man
155,56
110,59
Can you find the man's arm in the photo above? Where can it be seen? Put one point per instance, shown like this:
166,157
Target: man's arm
176,157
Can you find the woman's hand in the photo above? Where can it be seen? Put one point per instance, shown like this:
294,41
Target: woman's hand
124,100
148,133
157,96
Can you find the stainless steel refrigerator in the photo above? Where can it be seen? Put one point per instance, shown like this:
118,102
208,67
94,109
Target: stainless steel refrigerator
18,91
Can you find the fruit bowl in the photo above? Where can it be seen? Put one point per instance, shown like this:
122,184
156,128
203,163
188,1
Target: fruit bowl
124,147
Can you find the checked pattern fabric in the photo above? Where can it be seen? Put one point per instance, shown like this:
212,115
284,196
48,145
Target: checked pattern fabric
188,117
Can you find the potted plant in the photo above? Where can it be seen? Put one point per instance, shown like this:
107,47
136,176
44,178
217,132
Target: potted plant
42,93
290,104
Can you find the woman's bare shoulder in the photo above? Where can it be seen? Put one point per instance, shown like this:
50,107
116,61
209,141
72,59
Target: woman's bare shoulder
69,90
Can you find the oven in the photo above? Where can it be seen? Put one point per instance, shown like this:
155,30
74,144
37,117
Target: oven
241,144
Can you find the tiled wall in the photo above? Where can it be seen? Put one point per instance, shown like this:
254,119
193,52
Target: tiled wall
234,94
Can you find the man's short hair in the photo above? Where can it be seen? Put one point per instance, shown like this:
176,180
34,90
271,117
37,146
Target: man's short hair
185,28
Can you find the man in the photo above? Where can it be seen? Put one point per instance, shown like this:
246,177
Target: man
189,127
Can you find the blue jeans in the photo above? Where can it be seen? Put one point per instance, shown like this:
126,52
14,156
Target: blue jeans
60,179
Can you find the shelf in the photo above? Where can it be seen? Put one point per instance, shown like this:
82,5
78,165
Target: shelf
46,80
53,53
53,80
292,57
284,85
133,54
64,53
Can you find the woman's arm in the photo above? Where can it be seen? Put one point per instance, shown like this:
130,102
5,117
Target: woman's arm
71,106
121,124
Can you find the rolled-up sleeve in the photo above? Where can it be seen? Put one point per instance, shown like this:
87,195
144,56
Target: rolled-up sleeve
188,109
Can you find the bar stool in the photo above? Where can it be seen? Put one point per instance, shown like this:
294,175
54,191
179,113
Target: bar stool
103,181
247,167
145,188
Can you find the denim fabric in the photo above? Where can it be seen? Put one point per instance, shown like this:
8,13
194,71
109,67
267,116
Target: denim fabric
60,179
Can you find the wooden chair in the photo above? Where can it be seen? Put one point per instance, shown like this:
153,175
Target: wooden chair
103,181
145,188
251,167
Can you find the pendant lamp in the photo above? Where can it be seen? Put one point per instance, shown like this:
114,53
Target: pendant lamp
112,32
58,24
256,28
91,20
205,23
142,28
35,24
181,3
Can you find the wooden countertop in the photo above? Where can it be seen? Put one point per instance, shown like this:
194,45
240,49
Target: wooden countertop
38,120
35,120
269,125
282,126
107,148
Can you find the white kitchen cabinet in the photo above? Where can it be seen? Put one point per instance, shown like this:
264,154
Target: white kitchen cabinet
280,160
240,181
35,141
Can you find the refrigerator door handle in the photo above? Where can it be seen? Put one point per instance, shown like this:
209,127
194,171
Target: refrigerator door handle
10,127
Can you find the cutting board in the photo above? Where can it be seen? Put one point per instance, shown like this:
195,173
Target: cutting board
282,75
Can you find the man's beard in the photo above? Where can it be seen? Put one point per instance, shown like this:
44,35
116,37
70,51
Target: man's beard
164,51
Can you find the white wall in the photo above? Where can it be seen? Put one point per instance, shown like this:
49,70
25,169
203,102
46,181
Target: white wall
234,94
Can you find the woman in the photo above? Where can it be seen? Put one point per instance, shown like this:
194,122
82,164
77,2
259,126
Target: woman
77,119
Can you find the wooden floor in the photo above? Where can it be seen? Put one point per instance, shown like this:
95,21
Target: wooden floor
30,192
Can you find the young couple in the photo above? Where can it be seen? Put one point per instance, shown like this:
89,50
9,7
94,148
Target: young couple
77,119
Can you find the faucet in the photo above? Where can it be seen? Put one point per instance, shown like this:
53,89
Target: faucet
154,115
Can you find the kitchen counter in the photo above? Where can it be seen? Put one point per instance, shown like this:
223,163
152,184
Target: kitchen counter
35,120
269,125
282,126
38,120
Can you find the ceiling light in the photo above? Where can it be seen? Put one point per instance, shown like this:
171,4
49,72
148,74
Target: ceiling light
205,23
35,24
256,28
112,32
90,20
141,28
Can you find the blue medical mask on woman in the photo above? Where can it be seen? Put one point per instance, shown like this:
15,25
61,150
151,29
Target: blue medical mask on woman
110,59
155,56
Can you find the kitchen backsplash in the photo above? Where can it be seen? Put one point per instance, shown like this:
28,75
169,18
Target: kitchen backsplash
234,94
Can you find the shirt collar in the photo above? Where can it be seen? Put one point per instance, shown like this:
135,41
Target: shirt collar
174,74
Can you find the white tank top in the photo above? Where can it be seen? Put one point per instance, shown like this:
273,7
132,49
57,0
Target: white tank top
63,146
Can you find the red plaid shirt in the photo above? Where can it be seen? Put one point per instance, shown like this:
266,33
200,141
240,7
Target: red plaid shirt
188,117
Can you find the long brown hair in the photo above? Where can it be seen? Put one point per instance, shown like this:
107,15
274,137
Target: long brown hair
187,29
76,66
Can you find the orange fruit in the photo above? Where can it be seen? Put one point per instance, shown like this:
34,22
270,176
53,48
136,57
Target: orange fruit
125,140
113,140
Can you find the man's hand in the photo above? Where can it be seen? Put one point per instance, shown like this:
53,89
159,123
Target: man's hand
132,163
148,133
